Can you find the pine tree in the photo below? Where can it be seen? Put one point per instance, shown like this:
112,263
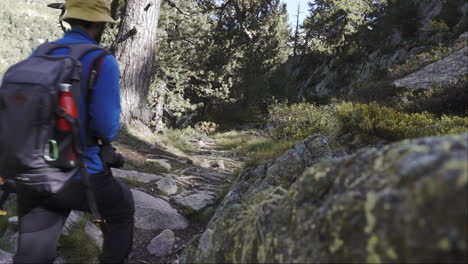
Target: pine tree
332,24
212,54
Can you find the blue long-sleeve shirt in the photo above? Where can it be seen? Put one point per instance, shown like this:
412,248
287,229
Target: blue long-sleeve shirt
104,109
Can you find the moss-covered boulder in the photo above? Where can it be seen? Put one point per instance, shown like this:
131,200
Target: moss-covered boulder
405,202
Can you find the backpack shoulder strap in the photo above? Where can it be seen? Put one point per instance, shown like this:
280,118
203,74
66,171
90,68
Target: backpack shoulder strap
77,50
94,71
45,49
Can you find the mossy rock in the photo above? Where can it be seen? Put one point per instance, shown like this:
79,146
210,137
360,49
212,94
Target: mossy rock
405,202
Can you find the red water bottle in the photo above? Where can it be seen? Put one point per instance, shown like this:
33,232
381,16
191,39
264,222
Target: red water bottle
67,103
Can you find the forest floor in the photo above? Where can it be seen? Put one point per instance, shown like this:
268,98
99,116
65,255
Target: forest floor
203,174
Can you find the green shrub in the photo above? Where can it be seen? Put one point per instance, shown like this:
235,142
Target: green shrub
390,124
440,26
299,121
449,100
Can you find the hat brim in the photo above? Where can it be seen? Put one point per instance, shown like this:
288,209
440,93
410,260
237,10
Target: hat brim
87,15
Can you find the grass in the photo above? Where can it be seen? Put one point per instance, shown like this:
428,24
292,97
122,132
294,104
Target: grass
179,138
256,147
372,121
78,247
249,240
135,149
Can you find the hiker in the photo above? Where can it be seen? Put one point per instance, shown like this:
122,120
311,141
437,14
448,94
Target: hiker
41,220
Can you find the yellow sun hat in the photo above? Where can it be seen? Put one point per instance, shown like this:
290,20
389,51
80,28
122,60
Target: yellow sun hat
88,10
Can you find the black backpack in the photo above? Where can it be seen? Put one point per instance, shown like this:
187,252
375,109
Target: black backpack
32,150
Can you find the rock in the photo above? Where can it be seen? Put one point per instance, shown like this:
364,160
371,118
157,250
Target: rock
10,238
72,220
13,221
205,244
463,38
387,204
6,257
167,185
60,260
283,171
219,164
95,234
139,128
201,162
303,155
442,73
162,163
134,175
163,244
156,214
196,201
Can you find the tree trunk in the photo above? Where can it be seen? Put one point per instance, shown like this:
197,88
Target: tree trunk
135,51
159,107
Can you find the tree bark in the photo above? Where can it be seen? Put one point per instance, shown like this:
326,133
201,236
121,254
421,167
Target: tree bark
135,51
159,108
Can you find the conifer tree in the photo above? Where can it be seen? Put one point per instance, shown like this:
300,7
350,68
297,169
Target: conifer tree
332,24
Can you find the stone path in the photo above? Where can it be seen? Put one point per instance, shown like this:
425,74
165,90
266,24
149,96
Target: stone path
175,205
172,205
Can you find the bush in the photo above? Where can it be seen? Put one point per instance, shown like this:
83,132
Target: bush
299,121
390,124
449,101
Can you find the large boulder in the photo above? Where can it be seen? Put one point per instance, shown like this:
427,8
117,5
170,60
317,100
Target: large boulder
280,172
152,213
443,73
405,202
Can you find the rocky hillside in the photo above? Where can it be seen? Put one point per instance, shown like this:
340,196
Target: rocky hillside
405,202
372,74
25,25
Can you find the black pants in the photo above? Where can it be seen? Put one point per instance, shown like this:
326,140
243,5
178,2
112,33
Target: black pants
41,220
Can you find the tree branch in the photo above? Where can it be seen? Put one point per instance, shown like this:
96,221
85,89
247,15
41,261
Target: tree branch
174,5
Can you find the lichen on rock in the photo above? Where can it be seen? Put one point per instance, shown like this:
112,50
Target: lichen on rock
404,202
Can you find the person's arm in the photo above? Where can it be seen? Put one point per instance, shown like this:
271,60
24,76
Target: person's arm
105,105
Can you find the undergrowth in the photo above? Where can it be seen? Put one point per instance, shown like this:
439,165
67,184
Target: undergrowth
299,121
179,138
293,123
256,147
78,239
390,124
